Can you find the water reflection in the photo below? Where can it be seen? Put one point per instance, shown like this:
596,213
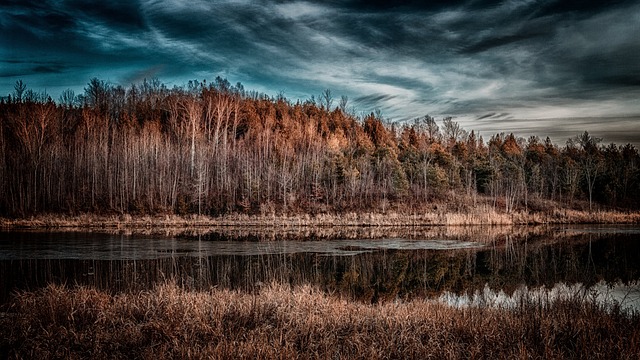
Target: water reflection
418,262
625,296
83,246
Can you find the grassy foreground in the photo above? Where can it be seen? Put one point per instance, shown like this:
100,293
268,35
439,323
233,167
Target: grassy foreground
280,322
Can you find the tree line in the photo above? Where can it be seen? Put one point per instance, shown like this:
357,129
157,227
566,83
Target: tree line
215,148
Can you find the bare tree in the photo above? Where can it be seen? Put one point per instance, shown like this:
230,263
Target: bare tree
453,132
590,160
192,111
68,98
431,128
344,100
19,87
327,99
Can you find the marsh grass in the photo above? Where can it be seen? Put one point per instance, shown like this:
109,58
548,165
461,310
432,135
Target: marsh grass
278,321
480,214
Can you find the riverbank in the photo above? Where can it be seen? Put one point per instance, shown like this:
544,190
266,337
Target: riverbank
282,322
483,215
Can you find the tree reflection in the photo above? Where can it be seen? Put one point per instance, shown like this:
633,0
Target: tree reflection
507,262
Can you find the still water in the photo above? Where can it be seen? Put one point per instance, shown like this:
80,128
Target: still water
463,266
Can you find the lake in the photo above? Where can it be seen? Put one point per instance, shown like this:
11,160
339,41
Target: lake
463,266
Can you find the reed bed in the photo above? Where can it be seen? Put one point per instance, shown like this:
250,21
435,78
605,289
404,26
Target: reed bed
278,321
478,215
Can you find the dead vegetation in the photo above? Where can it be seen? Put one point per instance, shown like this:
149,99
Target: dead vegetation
171,224
280,322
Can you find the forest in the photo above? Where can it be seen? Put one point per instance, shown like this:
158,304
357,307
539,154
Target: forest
216,148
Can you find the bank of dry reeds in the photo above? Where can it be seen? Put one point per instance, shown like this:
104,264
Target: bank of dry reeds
279,322
481,215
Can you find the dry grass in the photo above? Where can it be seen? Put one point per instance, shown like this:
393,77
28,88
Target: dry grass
280,322
482,214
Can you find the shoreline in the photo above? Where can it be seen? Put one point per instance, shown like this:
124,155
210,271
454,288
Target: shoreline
483,216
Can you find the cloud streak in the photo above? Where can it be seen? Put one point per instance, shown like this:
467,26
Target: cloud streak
529,59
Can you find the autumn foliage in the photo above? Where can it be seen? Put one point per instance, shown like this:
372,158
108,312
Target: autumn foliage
214,148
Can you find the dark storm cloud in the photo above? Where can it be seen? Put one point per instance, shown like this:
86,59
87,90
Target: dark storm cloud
489,43
44,69
486,62
63,31
124,14
51,19
13,68
493,116
414,5
578,6
371,101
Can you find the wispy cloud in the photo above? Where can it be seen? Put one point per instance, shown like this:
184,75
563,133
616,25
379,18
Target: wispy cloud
469,58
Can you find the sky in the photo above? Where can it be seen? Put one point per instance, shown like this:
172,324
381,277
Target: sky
541,67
